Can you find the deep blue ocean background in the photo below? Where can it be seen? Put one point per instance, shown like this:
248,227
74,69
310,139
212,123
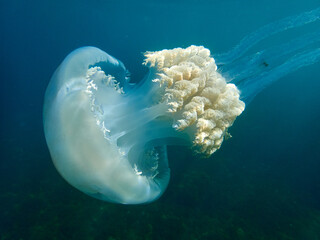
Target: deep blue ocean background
264,182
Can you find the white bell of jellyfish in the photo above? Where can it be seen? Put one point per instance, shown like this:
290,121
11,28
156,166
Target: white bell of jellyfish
107,137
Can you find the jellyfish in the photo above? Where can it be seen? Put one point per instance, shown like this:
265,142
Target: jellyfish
108,137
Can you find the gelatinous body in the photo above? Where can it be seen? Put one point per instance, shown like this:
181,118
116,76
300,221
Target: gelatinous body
107,137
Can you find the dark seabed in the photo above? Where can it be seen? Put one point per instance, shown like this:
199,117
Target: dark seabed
263,183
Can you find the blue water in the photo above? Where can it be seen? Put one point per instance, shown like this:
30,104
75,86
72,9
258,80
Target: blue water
263,183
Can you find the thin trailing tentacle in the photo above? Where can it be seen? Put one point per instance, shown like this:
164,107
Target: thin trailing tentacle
267,31
251,87
255,64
